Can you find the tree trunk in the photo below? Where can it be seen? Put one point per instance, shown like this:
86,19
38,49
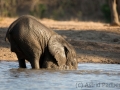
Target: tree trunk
0,8
114,12
118,8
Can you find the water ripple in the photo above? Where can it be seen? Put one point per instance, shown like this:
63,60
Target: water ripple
29,79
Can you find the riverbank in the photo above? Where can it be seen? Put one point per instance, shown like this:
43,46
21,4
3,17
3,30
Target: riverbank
94,42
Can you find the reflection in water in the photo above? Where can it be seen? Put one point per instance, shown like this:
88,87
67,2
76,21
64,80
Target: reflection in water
88,76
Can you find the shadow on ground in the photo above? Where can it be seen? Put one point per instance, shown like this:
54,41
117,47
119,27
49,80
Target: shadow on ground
94,46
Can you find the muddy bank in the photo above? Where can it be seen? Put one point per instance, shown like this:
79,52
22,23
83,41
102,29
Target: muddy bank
94,42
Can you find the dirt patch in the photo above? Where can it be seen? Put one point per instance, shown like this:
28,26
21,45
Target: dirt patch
94,41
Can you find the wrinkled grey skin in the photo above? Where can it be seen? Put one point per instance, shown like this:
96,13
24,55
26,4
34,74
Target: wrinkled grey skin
42,47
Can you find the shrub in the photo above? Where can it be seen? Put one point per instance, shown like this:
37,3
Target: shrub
106,12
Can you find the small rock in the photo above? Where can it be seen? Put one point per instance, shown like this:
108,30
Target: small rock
115,40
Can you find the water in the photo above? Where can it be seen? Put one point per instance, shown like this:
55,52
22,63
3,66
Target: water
88,77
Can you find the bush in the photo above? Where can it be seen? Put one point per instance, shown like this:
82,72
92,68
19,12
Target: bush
39,10
106,11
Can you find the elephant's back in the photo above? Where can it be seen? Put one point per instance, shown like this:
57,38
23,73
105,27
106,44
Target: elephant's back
28,33
32,24
27,25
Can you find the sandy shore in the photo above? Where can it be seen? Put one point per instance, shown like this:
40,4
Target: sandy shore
94,42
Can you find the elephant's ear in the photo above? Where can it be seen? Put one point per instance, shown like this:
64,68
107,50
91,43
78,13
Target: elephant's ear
57,49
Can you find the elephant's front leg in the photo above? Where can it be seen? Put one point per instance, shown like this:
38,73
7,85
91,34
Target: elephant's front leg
35,63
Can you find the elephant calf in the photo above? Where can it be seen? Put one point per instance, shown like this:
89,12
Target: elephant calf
42,47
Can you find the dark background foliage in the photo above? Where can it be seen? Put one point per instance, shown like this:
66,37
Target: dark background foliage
95,10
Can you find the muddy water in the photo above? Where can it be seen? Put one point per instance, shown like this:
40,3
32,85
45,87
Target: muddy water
88,77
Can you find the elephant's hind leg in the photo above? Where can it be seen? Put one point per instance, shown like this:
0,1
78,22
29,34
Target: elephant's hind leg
22,63
21,60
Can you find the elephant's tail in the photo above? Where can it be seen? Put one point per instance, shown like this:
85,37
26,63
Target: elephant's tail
7,34
7,37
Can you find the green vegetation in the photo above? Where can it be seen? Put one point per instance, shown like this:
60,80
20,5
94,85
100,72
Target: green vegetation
8,8
56,9
106,11
39,11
